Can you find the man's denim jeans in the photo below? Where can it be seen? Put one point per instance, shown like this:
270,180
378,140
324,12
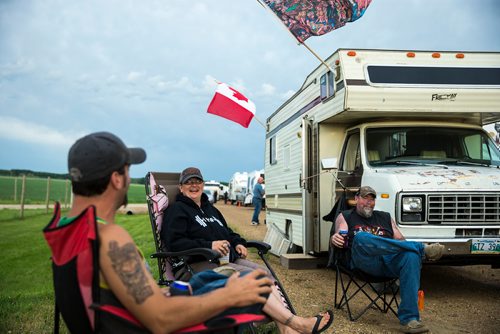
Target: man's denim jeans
257,202
379,256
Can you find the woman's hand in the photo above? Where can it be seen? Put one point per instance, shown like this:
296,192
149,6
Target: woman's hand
242,250
221,246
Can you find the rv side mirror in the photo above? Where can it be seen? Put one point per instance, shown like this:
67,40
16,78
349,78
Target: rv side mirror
329,163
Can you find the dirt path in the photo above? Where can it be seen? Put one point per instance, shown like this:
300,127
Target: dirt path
457,299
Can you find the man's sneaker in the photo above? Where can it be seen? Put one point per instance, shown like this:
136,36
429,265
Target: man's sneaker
433,252
414,326
255,223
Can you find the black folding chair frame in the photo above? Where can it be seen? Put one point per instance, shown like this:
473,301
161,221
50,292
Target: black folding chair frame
360,282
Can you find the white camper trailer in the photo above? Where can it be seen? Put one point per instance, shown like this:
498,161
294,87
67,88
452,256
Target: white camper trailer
215,187
238,187
407,123
252,181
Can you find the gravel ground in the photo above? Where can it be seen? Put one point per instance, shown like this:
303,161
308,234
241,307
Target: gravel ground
457,299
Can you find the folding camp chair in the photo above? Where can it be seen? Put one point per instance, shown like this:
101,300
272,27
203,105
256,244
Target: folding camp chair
83,304
381,292
357,282
162,188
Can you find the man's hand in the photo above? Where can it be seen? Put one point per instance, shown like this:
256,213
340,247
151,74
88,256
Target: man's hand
221,246
242,250
249,289
337,240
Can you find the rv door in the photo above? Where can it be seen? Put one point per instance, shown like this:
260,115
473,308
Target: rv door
307,183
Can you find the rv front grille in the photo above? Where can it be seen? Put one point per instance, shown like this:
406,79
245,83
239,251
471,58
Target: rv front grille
463,208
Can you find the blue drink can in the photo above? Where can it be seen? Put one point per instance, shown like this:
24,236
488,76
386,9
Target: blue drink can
344,233
179,288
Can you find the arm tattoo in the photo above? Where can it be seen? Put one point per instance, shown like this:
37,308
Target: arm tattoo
127,264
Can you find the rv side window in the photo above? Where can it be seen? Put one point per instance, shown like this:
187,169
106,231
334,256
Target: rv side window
352,155
327,86
322,84
331,85
272,150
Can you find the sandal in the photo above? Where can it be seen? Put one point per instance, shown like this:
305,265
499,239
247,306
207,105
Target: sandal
316,330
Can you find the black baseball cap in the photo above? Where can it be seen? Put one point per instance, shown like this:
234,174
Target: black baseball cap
189,173
98,155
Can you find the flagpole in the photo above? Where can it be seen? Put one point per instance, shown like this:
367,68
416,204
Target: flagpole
316,55
260,122
294,37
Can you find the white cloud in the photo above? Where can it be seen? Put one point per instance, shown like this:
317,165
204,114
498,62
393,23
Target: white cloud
31,133
134,76
267,89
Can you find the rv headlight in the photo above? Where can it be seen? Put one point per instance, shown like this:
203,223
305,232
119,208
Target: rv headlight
412,204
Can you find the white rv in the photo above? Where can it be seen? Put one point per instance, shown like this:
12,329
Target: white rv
407,123
238,187
251,182
215,187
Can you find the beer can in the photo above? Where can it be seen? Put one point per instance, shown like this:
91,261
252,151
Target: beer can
180,288
224,259
344,233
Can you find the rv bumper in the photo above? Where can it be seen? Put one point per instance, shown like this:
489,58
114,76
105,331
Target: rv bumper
469,252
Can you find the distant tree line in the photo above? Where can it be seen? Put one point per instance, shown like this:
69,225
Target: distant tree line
30,173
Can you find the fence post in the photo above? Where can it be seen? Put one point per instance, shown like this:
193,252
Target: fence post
15,189
47,197
23,188
66,194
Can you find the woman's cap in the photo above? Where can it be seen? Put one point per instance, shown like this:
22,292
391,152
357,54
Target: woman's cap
189,173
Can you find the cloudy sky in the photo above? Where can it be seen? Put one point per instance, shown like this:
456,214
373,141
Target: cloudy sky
145,70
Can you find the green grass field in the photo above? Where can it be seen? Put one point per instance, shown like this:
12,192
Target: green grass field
26,294
60,190
26,291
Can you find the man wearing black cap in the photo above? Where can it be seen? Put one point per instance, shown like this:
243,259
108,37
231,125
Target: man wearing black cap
99,168
377,247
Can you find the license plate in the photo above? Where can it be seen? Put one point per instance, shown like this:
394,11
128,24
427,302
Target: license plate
485,246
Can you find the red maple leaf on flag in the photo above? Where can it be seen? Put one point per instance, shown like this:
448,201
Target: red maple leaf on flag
238,95
232,105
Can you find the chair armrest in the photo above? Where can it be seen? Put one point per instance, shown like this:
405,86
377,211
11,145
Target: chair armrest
209,254
261,246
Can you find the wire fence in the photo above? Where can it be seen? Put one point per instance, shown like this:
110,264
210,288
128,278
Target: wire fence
23,190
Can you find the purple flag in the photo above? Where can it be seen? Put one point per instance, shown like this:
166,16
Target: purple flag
305,18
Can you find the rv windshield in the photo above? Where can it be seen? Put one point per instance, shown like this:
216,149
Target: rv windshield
430,145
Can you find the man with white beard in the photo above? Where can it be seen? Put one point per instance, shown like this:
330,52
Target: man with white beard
376,246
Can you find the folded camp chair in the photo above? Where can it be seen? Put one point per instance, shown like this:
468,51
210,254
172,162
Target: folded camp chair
162,188
381,292
84,306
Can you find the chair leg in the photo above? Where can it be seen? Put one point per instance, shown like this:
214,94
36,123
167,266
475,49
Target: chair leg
375,301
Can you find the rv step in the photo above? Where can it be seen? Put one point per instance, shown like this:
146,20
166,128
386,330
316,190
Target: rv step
302,261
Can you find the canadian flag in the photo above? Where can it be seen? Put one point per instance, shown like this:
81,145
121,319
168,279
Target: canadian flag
231,104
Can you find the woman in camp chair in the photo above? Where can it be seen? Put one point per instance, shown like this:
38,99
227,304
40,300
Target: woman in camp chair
193,222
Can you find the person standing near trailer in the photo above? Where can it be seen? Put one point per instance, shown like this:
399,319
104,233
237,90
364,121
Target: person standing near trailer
258,193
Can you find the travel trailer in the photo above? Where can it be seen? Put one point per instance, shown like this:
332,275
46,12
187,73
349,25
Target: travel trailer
407,123
252,180
215,187
238,187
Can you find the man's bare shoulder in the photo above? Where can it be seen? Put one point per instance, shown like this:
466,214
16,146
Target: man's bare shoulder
113,232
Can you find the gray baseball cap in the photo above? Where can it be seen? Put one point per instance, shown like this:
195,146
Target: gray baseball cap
189,173
365,191
98,155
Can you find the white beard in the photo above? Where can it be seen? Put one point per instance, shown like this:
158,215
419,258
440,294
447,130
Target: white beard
366,212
